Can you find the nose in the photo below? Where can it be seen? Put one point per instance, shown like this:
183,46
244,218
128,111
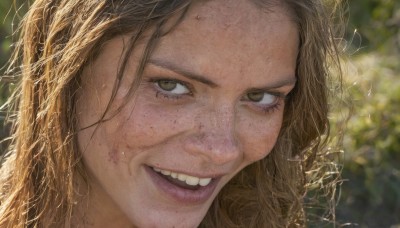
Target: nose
214,136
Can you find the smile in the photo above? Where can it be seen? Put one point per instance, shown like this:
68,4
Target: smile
183,188
189,180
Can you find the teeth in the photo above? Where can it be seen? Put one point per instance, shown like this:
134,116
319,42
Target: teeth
182,177
204,181
190,180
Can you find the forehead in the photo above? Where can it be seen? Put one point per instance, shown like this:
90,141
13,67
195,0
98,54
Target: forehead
237,13
229,37
228,17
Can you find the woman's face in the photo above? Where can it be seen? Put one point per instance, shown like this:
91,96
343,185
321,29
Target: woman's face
210,103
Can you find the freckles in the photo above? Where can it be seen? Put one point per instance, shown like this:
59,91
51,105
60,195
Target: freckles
259,152
116,150
260,139
113,156
174,124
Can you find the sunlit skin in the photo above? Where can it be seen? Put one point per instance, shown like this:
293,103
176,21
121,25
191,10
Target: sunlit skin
210,103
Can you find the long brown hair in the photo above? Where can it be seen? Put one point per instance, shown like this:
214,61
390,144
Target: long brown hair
58,38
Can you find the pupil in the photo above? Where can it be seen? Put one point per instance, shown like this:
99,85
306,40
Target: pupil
167,85
255,96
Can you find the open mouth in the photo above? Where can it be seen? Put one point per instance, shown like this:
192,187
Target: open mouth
183,180
182,187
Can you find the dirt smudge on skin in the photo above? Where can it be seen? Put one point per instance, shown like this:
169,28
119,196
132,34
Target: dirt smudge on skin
113,156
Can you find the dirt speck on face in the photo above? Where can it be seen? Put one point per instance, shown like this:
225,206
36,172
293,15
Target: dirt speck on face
113,156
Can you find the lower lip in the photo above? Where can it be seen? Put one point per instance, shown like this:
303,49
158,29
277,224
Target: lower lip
181,195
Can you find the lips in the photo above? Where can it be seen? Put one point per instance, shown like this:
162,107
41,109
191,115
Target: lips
181,187
184,179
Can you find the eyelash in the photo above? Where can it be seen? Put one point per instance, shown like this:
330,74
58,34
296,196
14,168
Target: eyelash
165,94
267,109
272,108
280,97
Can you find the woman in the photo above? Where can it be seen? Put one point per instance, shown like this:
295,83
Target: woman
167,113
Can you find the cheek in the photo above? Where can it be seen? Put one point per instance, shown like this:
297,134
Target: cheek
147,125
259,136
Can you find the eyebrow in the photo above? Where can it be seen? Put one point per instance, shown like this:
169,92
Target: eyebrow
191,75
291,80
287,81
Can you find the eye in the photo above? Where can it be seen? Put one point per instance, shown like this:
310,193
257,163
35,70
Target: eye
172,86
262,98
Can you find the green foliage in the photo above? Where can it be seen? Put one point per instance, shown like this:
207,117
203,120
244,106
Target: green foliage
377,23
372,144
4,36
11,12
5,43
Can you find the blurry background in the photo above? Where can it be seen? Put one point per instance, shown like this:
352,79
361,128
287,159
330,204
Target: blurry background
371,188
370,192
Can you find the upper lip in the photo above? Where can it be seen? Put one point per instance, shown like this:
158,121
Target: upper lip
200,175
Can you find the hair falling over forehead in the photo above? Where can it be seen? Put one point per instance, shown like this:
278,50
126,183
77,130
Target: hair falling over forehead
58,38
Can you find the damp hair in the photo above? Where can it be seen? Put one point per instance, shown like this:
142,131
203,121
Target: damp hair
59,38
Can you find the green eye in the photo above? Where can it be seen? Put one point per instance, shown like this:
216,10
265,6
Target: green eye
261,97
167,85
170,86
255,96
